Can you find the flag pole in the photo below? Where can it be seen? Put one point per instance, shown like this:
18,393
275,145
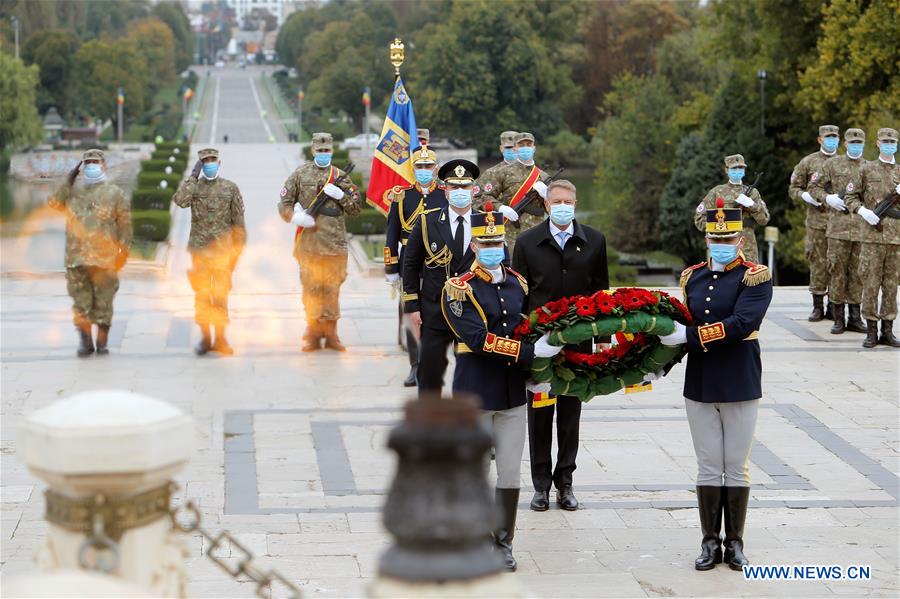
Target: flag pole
396,54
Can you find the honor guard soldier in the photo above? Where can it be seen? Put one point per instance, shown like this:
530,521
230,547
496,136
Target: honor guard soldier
735,195
844,232
424,137
727,297
490,178
98,238
438,248
218,236
877,191
315,199
407,205
803,176
482,308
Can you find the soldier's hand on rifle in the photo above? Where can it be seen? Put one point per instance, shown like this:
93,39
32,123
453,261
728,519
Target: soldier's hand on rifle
835,201
807,197
301,218
745,201
70,178
333,191
195,173
541,188
868,216
509,213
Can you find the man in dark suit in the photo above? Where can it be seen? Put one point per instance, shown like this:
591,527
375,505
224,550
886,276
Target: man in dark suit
438,248
558,258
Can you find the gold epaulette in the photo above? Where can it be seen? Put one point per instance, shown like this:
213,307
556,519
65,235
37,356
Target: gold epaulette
522,280
687,272
457,288
398,192
756,274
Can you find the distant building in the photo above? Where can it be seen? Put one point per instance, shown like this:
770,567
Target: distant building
280,9
53,125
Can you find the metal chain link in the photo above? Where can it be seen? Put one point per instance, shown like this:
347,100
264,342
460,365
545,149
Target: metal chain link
245,565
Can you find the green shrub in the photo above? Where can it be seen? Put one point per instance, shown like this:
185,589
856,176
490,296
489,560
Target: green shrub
151,199
152,179
367,222
151,225
168,146
164,155
356,177
159,166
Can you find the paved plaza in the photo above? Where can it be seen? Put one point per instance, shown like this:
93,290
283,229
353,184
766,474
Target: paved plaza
291,447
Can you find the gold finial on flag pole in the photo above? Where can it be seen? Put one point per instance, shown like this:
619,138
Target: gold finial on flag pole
396,55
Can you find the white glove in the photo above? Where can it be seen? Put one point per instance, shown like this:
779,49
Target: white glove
868,216
678,337
301,218
509,213
835,201
537,387
542,349
809,199
745,201
897,189
541,188
654,376
333,191
392,278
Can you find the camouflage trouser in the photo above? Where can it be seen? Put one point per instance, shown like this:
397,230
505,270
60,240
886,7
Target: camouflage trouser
526,221
751,250
93,290
817,256
845,284
321,278
880,265
210,277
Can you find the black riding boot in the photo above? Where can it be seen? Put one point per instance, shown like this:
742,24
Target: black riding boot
102,339
736,500
412,348
837,310
507,503
817,313
871,339
887,334
205,341
86,342
709,500
854,321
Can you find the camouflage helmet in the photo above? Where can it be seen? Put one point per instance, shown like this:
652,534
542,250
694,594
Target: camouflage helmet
208,153
93,154
735,161
524,136
508,138
854,134
826,130
423,134
887,134
322,141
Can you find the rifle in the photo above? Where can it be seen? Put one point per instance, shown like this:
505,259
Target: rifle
319,203
886,206
749,189
532,195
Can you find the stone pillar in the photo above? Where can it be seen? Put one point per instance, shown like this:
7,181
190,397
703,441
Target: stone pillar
108,458
440,509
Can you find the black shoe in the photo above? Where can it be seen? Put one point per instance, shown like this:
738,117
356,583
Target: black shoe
507,502
818,312
736,500
839,325
205,344
709,502
829,313
102,339
887,334
871,339
411,378
854,321
565,498
86,342
541,501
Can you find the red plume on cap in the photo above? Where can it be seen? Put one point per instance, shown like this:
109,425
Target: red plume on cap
720,203
489,206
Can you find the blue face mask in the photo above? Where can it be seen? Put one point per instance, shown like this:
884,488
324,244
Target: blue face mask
855,149
562,214
460,198
491,257
888,149
723,253
830,144
322,160
525,153
736,175
210,170
93,172
509,154
424,176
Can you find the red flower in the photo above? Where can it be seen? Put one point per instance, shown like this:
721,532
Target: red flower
605,303
685,313
523,329
584,306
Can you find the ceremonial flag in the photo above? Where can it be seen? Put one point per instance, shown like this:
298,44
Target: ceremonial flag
366,99
120,98
391,164
188,94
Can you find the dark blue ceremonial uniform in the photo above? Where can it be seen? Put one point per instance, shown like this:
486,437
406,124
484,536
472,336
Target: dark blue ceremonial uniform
728,308
482,316
407,204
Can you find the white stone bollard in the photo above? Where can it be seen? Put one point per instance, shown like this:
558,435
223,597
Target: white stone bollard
108,458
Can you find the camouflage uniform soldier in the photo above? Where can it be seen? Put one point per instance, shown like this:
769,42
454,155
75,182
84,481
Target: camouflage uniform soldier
805,174
514,181
320,243
879,257
424,136
733,193
98,237
490,178
844,232
217,239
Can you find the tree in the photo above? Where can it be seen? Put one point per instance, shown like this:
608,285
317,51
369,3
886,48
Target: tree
155,42
101,67
172,14
20,124
52,51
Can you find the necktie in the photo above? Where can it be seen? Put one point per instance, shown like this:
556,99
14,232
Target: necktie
562,236
459,236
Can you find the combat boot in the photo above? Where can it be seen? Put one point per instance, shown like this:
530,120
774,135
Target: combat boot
887,334
736,500
221,344
86,342
839,324
312,337
205,344
817,313
709,502
854,321
102,339
332,341
871,339
507,503
412,348
829,313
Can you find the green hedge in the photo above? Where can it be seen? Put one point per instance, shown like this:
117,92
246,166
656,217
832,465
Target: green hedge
151,225
159,166
165,155
151,179
367,222
170,145
152,199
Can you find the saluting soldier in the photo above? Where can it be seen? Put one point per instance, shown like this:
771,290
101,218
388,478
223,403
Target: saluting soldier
805,174
438,248
844,232
491,178
728,298
320,241
218,236
734,194
98,238
482,308
407,205
879,256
